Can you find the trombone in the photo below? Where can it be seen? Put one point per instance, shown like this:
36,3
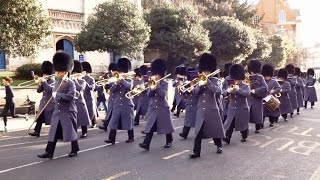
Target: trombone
116,77
201,80
36,80
152,84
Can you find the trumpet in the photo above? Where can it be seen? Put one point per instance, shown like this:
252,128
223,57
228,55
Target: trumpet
201,80
116,77
152,84
78,75
278,95
36,80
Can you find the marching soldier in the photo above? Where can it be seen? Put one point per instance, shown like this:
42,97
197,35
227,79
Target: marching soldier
158,116
10,105
123,108
208,118
293,83
179,97
299,88
176,90
88,93
64,118
191,103
136,81
143,100
225,100
310,90
285,106
83,119
259,90
46,90
274,90
112,68
238,113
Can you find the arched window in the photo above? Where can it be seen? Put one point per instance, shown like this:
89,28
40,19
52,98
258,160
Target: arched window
282,16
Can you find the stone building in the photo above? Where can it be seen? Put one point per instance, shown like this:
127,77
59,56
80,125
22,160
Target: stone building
68,17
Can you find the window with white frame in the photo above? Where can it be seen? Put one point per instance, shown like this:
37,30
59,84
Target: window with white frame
282,16
256,19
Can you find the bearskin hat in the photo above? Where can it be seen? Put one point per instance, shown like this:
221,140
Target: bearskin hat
290,68
236,72
183,71
113,67
192,73
86,67
62,61
207,62
310,72
178,70
283,73
47,68
226,69
77,67
143,70
123,65
254,66
137,71
275,73
158,67
267,70
297,71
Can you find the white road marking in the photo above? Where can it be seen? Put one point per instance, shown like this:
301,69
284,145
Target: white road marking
38,162
178,127
175,154
316,175
117,175
9,145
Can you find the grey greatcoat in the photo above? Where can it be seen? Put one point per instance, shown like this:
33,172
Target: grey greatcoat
293,93
88,96
111,100
255,100
238,109
225,100
208,115
191,109
275,86
65,112
123,108
310,91
178,96
143,102
300,89
285,106
46,90
83,118
158,111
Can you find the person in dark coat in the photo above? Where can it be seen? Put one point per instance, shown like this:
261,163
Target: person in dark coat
285,106
208,118
83,119
259,90
112,69
273,90
101,97
293,83
225,100
238,113
179,99
88,93
191,104
143,99
10,105
310,94
158,116
123,108
46,90
299,88
64,118
136,81
176,92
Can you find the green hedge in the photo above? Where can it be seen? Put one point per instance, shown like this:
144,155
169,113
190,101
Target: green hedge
24,71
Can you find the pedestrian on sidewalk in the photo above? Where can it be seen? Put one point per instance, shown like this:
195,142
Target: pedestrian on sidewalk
9,106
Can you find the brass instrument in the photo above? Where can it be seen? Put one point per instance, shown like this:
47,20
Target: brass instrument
201,80
35,80
78,75
115,78
152,84
278,95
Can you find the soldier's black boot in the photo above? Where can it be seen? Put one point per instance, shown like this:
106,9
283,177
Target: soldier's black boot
169,140
74,149
49,151
130,136
45,155
185,132
112,137
34,134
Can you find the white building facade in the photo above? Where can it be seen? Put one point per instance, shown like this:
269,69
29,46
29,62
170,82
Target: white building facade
68,17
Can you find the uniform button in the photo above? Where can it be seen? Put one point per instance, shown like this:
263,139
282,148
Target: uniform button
59,110
120,98
120,92
204,101
58,103
155,100
204,94
204,108
191,105
156,106
121,104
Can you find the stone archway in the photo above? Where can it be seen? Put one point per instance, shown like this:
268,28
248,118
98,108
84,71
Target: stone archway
65,45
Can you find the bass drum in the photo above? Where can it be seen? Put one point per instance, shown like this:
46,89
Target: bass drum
271,103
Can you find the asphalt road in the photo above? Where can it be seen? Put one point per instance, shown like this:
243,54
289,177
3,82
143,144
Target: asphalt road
290,150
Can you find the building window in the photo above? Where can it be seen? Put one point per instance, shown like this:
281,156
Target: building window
256,19
282,16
